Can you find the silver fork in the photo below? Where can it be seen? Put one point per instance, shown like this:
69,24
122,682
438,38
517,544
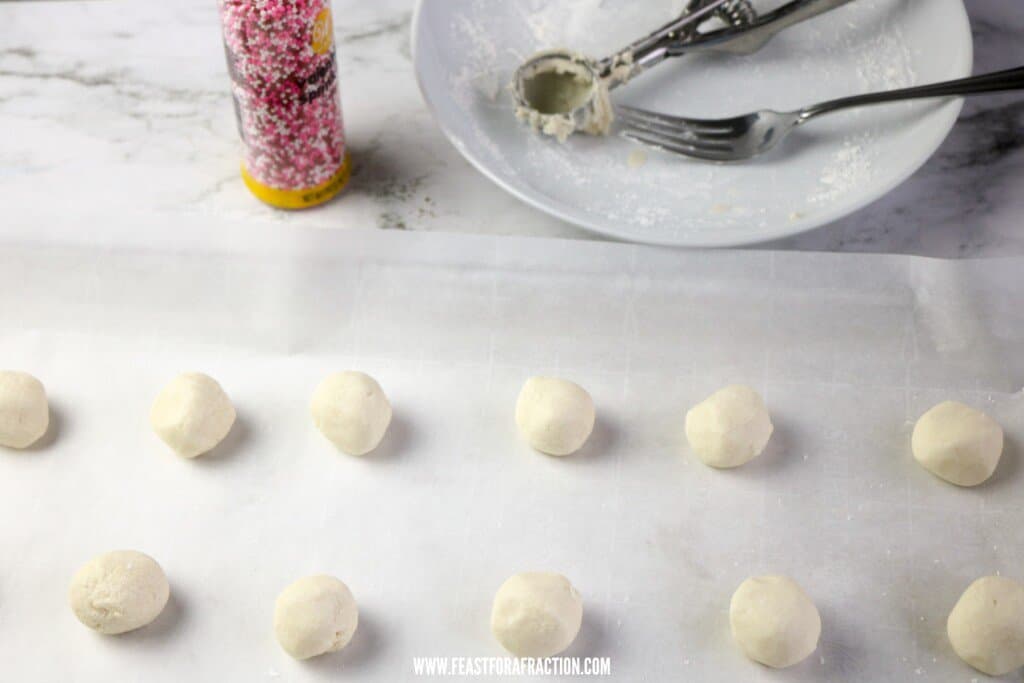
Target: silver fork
747,136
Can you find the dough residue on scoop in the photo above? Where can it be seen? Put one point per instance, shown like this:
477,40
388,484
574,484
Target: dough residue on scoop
561,96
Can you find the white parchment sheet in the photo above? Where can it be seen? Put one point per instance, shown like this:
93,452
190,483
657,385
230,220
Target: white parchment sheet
847,351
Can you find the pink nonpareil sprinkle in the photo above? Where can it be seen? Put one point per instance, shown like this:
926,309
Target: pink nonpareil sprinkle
286,94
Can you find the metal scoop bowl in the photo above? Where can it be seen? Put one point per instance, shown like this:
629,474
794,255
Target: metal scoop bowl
588,107
558,92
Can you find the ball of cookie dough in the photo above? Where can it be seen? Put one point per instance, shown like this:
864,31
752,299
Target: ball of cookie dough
986,627
192,414
773,621
555,416
536,614
119,591
957,443
24,410
351,410
314,616
729,428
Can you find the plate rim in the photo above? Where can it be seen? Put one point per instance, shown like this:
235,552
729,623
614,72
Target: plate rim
947,117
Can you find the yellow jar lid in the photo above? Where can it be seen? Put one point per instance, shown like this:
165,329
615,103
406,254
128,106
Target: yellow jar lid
304,198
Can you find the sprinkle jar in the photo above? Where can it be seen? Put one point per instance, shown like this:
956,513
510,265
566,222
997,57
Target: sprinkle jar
284,81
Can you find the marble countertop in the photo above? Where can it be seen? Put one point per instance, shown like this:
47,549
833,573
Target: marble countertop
123,106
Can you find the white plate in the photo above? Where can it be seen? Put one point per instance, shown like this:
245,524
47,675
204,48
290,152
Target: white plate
466,50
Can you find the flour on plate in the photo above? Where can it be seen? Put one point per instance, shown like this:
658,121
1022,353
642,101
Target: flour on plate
577,173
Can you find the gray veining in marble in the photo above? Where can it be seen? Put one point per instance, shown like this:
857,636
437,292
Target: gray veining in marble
123,106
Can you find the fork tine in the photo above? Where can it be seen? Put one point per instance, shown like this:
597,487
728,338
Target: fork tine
692,133
682,133
682,137
650,117
677,147
681,130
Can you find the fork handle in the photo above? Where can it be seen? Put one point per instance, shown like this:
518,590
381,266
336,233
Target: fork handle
1011,79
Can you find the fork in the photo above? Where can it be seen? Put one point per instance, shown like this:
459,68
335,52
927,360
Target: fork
747,136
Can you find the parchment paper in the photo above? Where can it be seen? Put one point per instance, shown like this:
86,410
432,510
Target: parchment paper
847,350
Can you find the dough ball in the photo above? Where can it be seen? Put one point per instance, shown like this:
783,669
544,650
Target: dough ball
119,591
773,621
536,614
958,443
555,416
24,410
351,410
192,414
314,616
729,428
986,628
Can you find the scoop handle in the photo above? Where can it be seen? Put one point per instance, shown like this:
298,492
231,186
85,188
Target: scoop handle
749,39
673,40
652,49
